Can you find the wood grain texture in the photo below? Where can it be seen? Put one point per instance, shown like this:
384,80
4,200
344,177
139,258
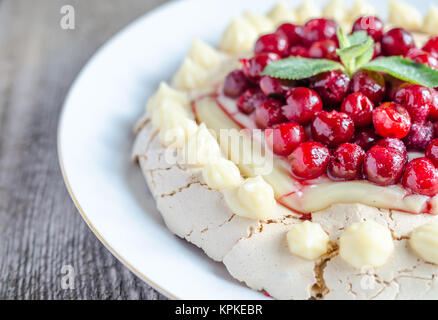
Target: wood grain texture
40,229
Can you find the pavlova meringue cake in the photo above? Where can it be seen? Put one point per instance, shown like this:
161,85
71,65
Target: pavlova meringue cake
302,153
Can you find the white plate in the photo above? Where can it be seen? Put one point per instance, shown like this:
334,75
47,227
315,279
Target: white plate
95,139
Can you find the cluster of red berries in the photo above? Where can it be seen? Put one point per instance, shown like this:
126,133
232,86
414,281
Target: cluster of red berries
350,128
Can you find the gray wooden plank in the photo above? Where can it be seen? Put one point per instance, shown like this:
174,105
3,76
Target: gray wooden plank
40,230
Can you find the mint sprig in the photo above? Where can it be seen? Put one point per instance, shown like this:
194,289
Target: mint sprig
355,52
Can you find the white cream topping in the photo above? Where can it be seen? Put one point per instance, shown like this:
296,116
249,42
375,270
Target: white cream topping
222,174
239,37
307,11
202,148
403,14
261,23
205,55
177,131
191,75
361,8
254,199
281,13
168,109
164,94
308,240
424,241
366,244
430,24
337,11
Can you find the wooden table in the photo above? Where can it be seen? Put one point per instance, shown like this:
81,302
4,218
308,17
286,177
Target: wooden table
40,229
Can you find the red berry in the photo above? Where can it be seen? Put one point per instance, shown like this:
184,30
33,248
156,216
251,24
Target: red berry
254,67
372,25
391,120
235,84
332,128
325,49
359,108
365,137
421,177
432,152
269,113
423,57
274,42
370,83
250,100
319,29
377,50
420,135
346,163
418,100
293,33
397,42
383,166
394,143
392,86
432,45
284,138
332,87
433,115
299,51
272,87
309,160
302,104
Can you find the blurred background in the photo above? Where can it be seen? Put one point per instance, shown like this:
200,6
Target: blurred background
41,233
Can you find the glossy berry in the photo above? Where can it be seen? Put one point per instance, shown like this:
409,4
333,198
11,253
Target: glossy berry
416,99
420,135
272,87
250,100
392,86
432,152
433,115
346,162
365,137
319,29
236,83
309,160
431,45
332,128
255,66
274,42
423,57
301,105
397,42
391,121
383,166
284,138
394,143
359,108
421,177
370,83
325,49
332,87
377,50
293,33
299,51
372,25
269,113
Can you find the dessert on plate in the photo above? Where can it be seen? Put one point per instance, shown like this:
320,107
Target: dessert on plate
303,152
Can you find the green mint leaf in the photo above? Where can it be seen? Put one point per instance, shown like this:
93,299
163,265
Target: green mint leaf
406,70
344,41
296,68
354,51
357,37
366,57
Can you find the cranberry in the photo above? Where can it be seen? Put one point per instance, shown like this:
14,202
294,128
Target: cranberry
397,42
421,134
332,87
394,143
346,163
421,177
325,49
423,57
293,33
383,166
432,152
372,25
432,45
370,83
250,100
235,84
391,120
273,42
433,115
365,137
359,108
309,160
319,29
271,86
255,66
302,104
299,51
332,128
377,50
285,137
392,85
418,100
269,113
